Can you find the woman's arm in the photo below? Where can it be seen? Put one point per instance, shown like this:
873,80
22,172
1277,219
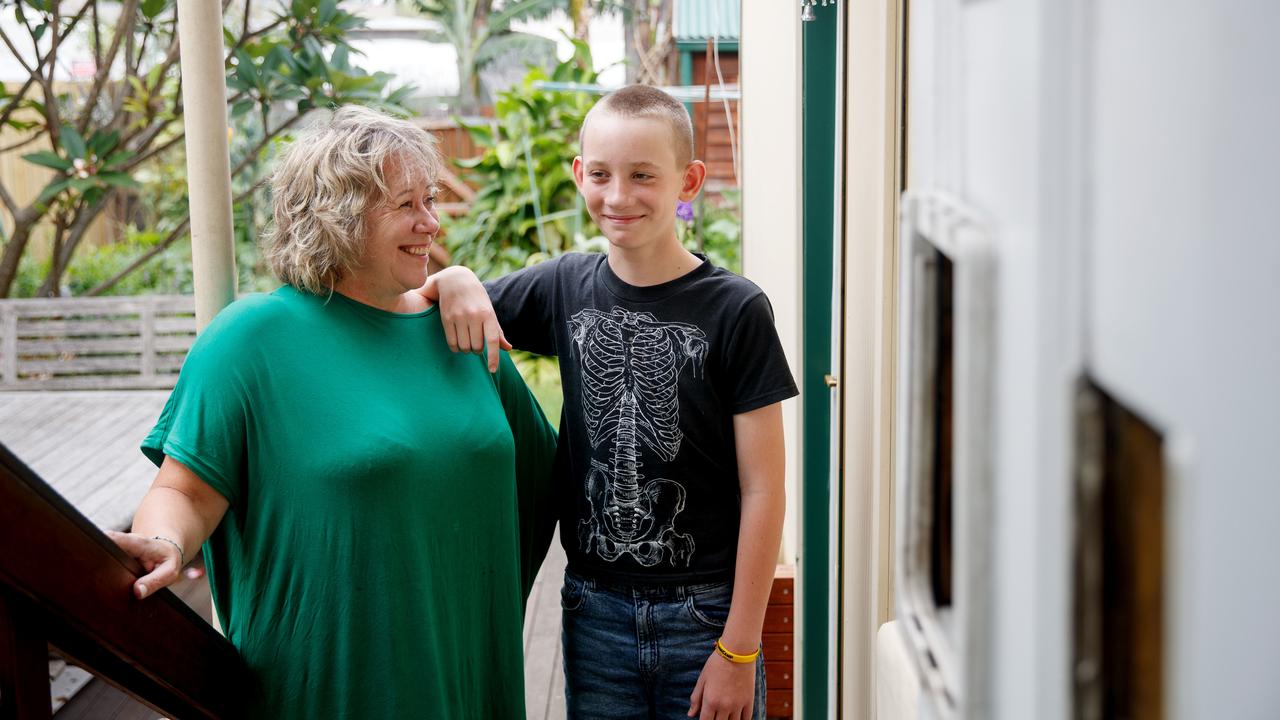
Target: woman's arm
180,508
535,440
725,688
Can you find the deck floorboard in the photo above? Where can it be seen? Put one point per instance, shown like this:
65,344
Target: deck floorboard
85,445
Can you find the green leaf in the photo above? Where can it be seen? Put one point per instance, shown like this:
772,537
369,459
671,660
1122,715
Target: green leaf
53,189
71,142
245,72
328,8
500,20
506,153
152,8
117,158
82,184
38,31
118,179
101,143
49,159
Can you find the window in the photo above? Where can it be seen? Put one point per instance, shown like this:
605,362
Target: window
944,435
1119,611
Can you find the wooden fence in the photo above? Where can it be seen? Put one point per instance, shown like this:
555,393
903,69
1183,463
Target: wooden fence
117,343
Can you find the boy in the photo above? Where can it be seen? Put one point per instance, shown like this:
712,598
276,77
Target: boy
671,448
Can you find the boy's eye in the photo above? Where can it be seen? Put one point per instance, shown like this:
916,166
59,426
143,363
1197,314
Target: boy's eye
598,174
642,176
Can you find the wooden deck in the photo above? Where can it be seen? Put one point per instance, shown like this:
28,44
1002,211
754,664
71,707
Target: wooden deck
543,664
85,444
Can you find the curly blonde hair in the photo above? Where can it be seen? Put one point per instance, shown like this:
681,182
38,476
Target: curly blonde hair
326,181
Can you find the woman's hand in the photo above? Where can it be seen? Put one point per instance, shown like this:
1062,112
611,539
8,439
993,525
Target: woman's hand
470,324
162,559
179,513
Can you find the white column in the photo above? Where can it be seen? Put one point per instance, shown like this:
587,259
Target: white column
770,115
204,91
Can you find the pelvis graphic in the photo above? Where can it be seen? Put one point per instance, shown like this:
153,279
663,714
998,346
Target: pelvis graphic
631,364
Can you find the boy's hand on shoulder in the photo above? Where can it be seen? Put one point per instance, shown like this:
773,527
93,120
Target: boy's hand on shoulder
470,323
725,690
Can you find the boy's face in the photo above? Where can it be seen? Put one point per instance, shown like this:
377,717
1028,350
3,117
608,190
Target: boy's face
631,180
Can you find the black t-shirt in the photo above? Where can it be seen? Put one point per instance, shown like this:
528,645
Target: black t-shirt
652,378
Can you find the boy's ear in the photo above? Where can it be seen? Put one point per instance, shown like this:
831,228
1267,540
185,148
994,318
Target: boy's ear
577,171
695,173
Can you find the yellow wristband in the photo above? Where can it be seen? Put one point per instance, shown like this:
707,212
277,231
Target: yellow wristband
733,657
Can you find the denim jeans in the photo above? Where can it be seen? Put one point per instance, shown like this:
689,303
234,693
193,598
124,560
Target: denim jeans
636,651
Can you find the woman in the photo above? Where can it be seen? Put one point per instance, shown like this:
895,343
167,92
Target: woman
368,497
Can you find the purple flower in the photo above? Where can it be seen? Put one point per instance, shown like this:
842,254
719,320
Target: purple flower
684,211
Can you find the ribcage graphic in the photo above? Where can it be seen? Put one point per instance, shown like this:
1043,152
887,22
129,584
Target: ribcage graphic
621,351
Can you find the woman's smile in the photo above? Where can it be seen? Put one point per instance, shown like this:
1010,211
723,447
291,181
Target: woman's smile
418,250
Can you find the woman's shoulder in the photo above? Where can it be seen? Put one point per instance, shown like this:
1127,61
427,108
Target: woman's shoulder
248,317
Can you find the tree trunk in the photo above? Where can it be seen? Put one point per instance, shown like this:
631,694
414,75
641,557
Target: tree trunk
76,232
23,223
469,71
647,28
581,15
49,287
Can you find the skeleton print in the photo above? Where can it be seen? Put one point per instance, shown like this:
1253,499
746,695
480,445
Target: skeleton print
631,364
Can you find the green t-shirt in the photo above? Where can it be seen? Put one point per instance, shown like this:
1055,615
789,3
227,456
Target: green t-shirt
389,506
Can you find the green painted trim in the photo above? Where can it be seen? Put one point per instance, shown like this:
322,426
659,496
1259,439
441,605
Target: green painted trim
686,74
818,158
701,45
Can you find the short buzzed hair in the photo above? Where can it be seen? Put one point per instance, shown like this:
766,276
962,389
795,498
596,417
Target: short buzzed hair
644,101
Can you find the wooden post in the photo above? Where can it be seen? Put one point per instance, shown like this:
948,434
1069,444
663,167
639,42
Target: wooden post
24,662
204,97
8,345
147,334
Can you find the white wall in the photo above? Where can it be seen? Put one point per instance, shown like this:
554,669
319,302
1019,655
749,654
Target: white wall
1184,261
770,117
1124,154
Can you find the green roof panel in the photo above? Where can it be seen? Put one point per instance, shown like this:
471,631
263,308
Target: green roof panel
704,19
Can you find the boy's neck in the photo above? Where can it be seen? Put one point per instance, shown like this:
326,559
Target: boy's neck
652,265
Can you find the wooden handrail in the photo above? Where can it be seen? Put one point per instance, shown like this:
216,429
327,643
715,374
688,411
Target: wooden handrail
64,583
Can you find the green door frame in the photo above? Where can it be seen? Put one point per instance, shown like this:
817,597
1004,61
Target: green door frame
819,164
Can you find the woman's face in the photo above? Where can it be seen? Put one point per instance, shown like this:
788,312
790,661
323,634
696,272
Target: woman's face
400,230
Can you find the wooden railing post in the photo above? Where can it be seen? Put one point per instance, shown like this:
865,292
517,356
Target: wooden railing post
147,318
24,661
8,345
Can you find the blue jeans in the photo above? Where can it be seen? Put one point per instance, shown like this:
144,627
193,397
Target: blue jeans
636,651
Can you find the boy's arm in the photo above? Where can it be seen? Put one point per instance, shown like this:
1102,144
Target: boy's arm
474,314
470,323
725,689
